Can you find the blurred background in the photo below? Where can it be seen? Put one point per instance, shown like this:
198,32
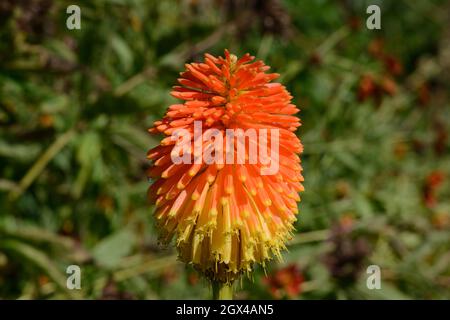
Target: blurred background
75,106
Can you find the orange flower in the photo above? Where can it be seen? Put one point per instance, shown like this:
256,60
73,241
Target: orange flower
226,215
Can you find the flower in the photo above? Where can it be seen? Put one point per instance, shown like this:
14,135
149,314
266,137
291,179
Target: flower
286,281
366,87
393,65
376,87
226,215
432,183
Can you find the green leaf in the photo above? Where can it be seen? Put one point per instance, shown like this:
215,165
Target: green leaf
123,52
111,250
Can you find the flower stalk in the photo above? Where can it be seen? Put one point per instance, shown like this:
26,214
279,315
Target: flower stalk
222,291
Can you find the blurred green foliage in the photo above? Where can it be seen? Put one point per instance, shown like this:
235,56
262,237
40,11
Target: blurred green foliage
75,106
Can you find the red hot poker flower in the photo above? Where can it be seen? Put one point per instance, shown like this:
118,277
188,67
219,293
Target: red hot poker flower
227,215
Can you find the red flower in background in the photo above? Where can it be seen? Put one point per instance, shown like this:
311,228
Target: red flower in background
376,87
393,65
432,182
367,87
285,282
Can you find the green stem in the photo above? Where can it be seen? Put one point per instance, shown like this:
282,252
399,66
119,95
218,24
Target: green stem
222,291
41,163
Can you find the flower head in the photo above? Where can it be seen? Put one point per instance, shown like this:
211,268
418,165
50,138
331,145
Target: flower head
229,213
